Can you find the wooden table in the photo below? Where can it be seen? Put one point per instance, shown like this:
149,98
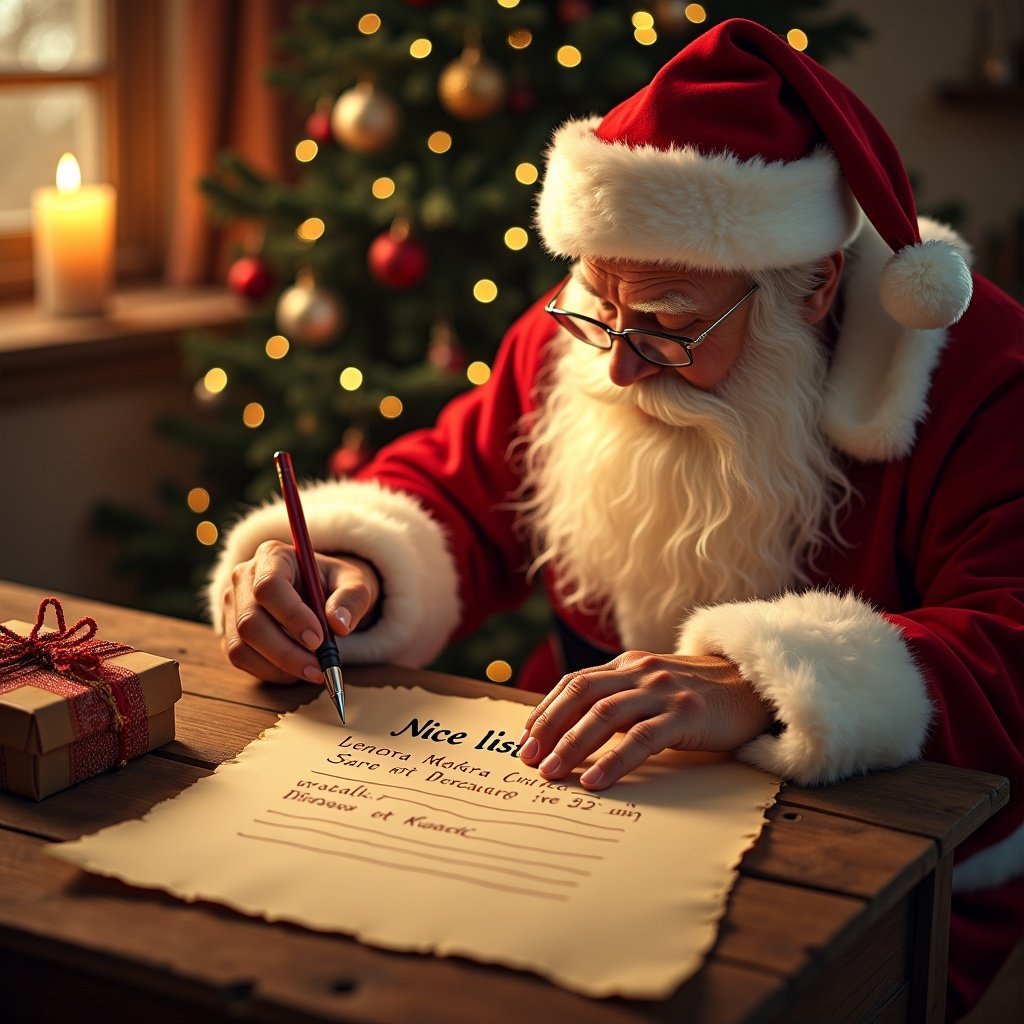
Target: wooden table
840,912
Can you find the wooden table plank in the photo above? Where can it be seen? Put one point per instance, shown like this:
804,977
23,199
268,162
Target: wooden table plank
135,936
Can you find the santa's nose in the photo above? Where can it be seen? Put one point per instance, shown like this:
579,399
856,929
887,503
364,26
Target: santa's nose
625,367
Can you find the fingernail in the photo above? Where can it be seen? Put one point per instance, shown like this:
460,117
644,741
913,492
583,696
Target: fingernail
344,616
313,673
529,751
550,764
522,739
592,776
309,639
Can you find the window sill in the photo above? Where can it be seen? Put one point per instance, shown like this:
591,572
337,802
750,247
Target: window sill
43,356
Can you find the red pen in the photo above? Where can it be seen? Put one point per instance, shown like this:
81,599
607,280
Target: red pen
327,653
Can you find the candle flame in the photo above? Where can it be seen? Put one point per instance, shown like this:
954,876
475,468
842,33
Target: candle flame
69,175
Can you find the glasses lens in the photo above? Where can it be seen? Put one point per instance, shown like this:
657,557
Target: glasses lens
592,334
663,351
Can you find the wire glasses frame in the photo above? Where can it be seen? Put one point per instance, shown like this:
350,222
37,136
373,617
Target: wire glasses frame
655,347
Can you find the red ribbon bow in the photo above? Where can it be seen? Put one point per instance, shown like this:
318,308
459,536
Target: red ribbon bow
71,652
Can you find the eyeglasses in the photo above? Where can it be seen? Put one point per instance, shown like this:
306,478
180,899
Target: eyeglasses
654,346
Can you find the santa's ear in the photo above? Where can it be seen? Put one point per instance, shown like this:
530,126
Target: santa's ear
819,302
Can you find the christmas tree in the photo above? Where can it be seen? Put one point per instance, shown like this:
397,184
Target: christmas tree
382,279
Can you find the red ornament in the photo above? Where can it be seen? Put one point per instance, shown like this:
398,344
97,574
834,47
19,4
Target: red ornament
318,127
396,260
351,456
250,277
571,11
444,351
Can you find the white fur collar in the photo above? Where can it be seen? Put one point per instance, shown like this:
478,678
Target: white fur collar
881,371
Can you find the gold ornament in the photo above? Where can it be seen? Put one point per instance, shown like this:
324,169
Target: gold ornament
471,87
365,120
308,314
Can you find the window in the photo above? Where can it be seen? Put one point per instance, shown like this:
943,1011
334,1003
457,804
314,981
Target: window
81,76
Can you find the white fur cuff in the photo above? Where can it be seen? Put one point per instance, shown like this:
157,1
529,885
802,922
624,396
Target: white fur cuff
420,607
838,675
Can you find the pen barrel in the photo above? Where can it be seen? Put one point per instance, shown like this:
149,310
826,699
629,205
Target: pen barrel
327,653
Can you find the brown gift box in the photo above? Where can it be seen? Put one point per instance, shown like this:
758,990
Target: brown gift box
49,741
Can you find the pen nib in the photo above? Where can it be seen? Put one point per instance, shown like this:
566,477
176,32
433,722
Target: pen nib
336,688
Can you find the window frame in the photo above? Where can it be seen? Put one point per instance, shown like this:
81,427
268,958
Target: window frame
131,92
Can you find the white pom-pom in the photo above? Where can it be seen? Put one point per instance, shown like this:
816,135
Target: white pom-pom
926,286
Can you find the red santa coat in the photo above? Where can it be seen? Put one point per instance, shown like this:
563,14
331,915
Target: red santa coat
906,643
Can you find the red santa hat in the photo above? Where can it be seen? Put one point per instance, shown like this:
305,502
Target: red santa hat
744,154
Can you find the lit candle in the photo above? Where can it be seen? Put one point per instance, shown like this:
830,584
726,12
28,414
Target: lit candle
73,242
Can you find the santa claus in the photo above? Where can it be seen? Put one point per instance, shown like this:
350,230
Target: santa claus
759,447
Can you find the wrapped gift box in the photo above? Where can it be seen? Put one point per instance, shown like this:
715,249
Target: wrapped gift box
56,731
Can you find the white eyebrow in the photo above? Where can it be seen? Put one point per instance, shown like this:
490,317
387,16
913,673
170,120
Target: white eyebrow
671,303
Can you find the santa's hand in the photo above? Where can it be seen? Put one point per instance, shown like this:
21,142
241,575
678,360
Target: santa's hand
270,632
658,701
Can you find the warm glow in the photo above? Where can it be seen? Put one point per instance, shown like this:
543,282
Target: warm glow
368,24
69,174
206,533
499,671
797,38
351,378
508,3
383,188
306,150
420,48
277,346
478,373
485,290
310,229
439,142
568,56
198,499
390,407
253,415
695,13
520,38
526,174
641,19
516,238
215,380
645,36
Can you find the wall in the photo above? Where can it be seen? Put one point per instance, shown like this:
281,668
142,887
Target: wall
971,154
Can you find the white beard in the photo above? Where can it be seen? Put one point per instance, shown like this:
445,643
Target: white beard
649,500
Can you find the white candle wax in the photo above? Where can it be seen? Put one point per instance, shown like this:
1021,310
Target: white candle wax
73,244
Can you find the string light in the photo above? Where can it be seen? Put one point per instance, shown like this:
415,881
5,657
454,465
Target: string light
797,38
351,378
310,229
642,19
277,346
253,415
485,290
526,173
368,24
439,142
520,38
391,407
645,36
509,4
516,239
198,499
420,48
499,671
383,188
695,14
568,56
206,533
478,372
306,150
215,380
